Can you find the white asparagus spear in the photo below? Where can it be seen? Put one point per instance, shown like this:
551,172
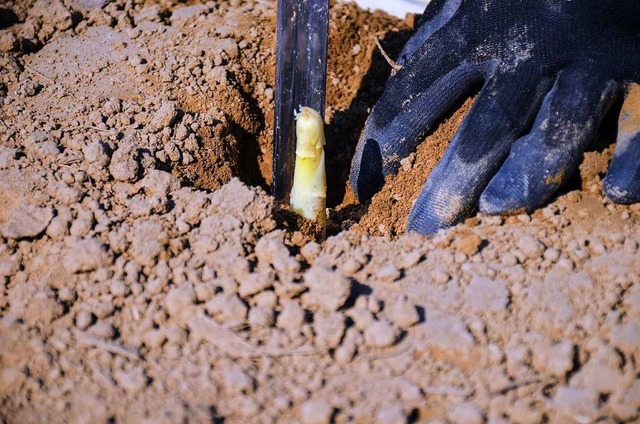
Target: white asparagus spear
309,191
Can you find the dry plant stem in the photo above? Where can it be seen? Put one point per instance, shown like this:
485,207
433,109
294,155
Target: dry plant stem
395,65
114,348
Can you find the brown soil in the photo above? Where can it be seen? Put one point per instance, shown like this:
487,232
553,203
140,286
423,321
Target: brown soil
147,276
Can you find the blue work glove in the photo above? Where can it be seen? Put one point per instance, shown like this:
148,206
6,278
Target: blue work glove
551,70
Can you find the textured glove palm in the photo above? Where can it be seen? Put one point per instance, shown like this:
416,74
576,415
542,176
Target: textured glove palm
551,69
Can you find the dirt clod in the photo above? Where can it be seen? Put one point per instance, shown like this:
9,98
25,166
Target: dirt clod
380,334
316,411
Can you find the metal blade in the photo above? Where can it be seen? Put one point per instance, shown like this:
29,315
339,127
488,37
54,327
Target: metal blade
301,73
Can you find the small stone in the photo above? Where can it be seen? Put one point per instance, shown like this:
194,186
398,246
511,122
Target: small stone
154,339
204,291
86,255
25,221
350,342
292,317
104,308
148,13
35,305
627,336
82,224
124,163
402,313
10,380
96,118
486,294
246,406
261,317
344,353
226,308
272,251
186,13
176,335
411,259
468,244
58,227
179,300
111,107
132,381
380,334
328,289
7,156
599,377
406,164
9,264
389,273
531,247
391,415
448,339
58,15
8,41
158,183
350,267
145,243
102,330
374,305
440,276
329,329
466,414
96,152
408,390
267,299
556,360
46,151
551,254
626,401
362,318
67,294
580,405
235,381
84,319
310,251
255,283
316,411
118,289
165,116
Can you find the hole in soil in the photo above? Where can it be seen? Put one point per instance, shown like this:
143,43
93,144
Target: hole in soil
239,142
242,146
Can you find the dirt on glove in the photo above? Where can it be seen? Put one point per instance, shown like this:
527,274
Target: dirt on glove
144,276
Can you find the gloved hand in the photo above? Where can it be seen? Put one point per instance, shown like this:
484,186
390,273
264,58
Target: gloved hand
551,69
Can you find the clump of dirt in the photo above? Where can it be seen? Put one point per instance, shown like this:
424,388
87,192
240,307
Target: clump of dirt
142,281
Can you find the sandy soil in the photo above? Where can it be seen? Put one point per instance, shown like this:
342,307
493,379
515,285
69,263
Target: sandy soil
144,276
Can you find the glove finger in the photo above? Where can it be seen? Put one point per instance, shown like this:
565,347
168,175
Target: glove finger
622,182
435,16
504,110
428,84
544,159
391,133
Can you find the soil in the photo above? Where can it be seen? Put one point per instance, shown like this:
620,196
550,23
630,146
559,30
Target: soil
147,276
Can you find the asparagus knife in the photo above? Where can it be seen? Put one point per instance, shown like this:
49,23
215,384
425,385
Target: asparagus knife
301,68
